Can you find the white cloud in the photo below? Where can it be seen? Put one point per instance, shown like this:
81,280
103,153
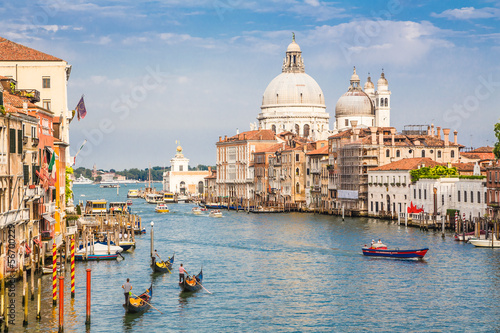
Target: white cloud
469,13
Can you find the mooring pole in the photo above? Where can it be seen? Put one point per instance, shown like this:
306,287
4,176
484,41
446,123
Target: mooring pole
39,303
72,266
54,273
152,243
87,321
61,303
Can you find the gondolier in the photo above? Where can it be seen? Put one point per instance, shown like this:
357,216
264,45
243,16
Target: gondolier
127,287
182,271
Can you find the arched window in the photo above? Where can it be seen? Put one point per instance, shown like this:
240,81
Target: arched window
297,129
306,130
182,187
386,102
452,154
200,187
387,153
439,153
423,153
273,128
297,188
398,153
297,172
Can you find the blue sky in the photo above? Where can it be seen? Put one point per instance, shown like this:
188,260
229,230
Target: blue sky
154,72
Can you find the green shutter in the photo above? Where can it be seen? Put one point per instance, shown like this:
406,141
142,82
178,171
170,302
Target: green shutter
26,174
12,141
19,141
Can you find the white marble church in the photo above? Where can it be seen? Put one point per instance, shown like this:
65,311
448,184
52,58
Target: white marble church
294,102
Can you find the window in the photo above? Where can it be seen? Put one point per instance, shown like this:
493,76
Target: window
423,153
398,153
478,197
442,200
414,193
19,141
46,82
347,122
297,129
371,206
306,131
439,153
273,128
387,153
296,157
425,194
465,196
452,154
33,132
297,171
297,188
46,104
419,193
471,197
458,197
26,174
181,167
12,141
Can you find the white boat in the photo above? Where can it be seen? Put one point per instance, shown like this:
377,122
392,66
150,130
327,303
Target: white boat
215,213
99,249
161,208
154,198
82,181
182,198
133,193
492,241
196,210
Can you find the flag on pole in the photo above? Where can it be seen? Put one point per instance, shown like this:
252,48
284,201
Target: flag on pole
79,150
81,111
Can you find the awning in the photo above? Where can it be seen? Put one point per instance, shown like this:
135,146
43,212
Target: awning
49,219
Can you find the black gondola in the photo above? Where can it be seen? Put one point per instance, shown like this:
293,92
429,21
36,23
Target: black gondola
141,303
163,266
192,283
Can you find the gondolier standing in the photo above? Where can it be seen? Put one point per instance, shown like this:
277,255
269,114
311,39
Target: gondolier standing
127,287
181,274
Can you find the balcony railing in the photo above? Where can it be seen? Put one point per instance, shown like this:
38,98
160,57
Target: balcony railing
32,94
14,216
50,207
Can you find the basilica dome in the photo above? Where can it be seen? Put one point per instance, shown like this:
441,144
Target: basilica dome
293,89
354,103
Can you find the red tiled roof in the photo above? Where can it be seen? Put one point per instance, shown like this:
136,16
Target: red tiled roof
478,156
254,135
269,149
319,151
486,149
16,101
408,164
10,51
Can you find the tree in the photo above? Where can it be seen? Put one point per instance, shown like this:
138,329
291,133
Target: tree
496,150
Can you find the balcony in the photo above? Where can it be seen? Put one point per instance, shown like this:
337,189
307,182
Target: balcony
316,170
14,216
35,141
50,208
32,94
316,188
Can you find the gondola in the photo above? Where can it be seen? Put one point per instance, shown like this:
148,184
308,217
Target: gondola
141,303
163,266
192,283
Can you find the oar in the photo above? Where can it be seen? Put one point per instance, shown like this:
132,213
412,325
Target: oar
146,302
194,276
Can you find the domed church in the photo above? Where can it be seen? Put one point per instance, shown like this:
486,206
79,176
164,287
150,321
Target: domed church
294,101
368,107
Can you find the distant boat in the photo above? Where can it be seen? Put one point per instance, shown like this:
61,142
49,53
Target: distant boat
196,210
215,213
154,198
161,208
492,241
82,181
133,194
380,250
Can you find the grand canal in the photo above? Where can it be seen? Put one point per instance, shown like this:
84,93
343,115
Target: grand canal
282,273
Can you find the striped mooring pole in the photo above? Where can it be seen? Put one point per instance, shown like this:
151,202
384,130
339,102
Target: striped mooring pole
72,266
54,273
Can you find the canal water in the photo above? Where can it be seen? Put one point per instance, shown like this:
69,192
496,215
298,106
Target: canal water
281,273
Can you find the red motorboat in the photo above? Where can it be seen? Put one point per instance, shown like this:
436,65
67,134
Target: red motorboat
381,250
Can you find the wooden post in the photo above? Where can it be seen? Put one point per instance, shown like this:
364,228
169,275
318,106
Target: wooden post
6,309
2,301
61,303
54,273
39,303
33,279
342,212
87,321
442,225
72,267
25,280
25,287
152,243
107,237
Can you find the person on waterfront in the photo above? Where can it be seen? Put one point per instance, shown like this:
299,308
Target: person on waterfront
181,274
127,287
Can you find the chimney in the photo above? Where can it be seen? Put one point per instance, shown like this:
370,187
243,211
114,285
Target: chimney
446,133
438,133
237,131
428,130
432,129
220,138
225,137
455,140
393,133
373,131
355,131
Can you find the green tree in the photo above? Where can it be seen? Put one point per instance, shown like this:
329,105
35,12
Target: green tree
496,150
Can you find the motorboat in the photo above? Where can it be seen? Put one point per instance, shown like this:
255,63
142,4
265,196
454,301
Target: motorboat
133,193
215,213
98,251
82,181
196,210
381,250
161,208
154,198
491,241
469,235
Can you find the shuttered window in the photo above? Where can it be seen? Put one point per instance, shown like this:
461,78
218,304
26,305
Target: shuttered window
34,176
26,174
12,141
19,141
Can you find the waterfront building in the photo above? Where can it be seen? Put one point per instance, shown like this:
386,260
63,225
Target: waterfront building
181,180
260,165
293,101
359,149
211,186
235,178
315,174
482,155
493,188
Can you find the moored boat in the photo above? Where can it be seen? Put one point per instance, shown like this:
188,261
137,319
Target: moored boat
140,303
98,251
154,198
161,208
163,266
380,250
469,235
192,283
491,241
133,193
